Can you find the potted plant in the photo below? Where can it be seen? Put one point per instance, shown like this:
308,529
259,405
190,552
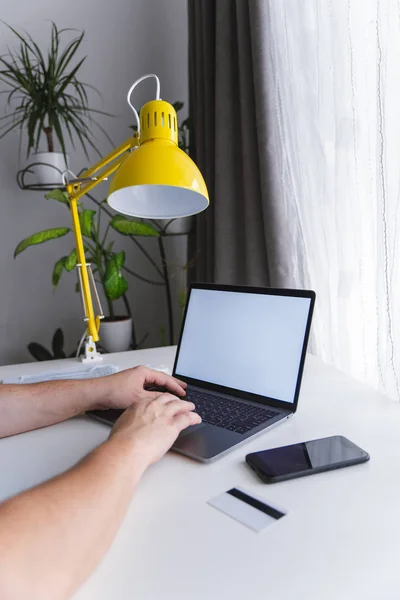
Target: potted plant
47,101
117,332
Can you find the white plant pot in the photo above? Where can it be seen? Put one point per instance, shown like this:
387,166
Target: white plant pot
116,336
50,172
180,226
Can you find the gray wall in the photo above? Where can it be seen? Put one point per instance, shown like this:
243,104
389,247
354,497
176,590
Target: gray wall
124,40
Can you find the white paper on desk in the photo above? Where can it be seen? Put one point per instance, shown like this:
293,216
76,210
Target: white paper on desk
245,507
76,372
161,368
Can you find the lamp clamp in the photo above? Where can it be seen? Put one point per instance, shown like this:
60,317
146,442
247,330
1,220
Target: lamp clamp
90,352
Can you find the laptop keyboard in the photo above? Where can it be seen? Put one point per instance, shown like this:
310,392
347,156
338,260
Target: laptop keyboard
229,414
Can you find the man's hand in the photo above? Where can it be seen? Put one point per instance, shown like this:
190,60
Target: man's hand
61,517
26,407
152,426
124,389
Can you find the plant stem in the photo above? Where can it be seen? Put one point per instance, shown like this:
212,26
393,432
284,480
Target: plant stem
89,247
101,274
49,135
167,289
146,254
128,308
141,277
98,224
106,233
134,240
110,307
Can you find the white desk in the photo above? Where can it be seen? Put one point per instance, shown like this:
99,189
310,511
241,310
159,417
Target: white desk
340,541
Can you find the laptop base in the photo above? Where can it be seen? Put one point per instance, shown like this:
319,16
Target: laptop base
206,443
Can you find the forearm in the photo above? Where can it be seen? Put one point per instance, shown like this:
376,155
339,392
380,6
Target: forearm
53,536
26,407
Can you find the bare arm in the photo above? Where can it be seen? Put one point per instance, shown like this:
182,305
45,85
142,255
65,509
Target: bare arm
50,537
27,407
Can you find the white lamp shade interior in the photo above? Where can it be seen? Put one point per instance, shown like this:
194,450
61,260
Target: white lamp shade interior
157,201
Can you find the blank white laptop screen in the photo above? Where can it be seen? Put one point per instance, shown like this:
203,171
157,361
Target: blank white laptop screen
249,342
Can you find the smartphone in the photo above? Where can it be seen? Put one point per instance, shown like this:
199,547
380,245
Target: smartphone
306,458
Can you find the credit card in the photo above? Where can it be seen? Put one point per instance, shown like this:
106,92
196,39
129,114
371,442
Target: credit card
250,510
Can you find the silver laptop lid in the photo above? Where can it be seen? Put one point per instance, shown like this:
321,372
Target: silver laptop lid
251,341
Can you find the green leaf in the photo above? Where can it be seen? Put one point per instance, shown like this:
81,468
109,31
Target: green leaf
70,77
109,248
70,261
58,344
39,352
57,271
120,258
128,227
58,195
40,238
178,105
86,220
59,133
115,284
68,54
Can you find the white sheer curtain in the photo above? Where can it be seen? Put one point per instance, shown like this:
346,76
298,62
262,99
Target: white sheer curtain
332,77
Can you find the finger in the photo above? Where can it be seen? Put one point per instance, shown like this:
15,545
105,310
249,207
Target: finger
178,406
186,419
183,384
163,380
167,399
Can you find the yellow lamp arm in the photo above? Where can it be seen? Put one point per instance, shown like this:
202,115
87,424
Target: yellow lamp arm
102,169
93,322
75,190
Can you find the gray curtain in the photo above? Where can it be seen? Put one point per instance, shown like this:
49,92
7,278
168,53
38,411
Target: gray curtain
236,238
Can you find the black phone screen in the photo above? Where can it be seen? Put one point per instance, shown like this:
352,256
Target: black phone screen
325,453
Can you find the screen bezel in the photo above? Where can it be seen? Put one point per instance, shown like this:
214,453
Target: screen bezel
265,400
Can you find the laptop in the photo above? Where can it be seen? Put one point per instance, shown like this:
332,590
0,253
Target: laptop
241,352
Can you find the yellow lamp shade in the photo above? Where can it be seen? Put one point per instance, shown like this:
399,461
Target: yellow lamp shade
157,180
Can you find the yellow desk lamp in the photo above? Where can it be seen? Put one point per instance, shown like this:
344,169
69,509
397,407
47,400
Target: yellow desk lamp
154,179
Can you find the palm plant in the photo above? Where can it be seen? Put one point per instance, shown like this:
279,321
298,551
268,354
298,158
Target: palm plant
45,95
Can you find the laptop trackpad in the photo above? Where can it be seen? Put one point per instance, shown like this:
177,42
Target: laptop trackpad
191,429
205,441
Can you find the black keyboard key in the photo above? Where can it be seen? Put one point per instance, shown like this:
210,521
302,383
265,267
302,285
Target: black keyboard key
229,414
